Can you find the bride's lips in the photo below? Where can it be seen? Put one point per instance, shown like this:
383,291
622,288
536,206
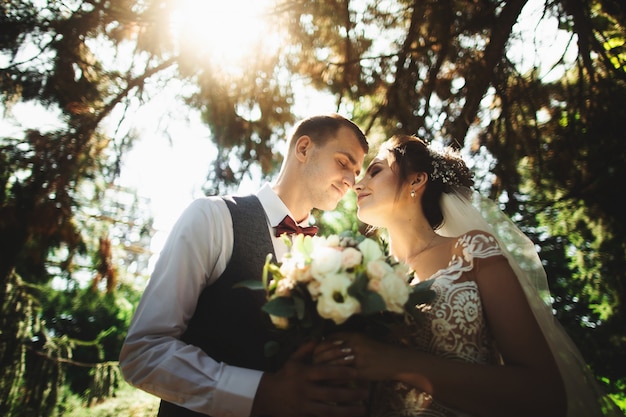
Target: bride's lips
361,197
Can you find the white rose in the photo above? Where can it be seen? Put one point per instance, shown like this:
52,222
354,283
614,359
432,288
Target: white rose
296,269
350,258
325,261
303,274
284,287
334,302
371,250
374,285
314,288
402,269
395,291
332,240
378,269
288,266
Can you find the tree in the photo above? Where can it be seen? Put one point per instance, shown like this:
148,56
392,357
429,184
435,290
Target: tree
444,70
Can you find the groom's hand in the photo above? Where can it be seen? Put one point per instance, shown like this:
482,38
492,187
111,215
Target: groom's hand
303,389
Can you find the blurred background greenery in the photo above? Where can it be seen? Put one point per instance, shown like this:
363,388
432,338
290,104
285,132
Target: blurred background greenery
531,91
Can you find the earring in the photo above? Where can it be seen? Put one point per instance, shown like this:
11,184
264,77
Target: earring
412,193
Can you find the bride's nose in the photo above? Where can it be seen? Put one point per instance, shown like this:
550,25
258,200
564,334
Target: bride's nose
358,186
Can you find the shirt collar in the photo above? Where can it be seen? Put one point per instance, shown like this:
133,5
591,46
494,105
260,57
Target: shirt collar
274,207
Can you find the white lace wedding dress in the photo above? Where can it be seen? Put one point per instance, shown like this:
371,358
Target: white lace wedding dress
453,327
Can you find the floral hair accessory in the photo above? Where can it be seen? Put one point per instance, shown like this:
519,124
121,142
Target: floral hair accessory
448,167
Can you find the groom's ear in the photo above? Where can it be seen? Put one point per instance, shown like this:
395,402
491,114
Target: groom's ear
302,147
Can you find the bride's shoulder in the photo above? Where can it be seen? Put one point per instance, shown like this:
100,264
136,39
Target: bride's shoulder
476,241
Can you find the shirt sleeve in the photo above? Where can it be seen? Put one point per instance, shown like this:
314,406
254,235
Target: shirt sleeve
153,358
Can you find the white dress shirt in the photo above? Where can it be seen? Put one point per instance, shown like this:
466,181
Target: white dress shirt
153,357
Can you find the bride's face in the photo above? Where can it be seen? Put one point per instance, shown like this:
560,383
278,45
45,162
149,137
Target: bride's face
377,197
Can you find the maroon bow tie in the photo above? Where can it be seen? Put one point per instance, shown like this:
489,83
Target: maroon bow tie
289,226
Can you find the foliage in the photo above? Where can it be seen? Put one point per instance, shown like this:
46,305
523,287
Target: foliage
72,340
570,178
94,323
445,70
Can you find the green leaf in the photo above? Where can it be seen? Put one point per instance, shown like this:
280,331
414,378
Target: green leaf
266,268
271,348
280,307
417,315
358,288
250,284
421,294
372,303
300,307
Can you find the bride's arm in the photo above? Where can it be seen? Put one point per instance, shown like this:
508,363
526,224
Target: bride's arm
529,381
528,384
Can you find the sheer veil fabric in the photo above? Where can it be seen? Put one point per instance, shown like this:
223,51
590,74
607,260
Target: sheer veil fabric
465,210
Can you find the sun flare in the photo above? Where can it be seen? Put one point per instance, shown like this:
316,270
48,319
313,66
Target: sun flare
224,31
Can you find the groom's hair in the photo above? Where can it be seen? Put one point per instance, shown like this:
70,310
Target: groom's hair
324,127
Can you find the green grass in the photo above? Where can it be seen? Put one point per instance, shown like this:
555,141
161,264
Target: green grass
128,402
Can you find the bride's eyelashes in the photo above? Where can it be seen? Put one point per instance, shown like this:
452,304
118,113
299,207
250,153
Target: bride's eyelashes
373,170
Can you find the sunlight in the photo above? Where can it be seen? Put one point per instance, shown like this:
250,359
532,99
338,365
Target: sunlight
226,32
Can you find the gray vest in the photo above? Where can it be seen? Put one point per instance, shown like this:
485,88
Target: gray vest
228,323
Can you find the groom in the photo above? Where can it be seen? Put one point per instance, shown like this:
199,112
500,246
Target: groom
196,342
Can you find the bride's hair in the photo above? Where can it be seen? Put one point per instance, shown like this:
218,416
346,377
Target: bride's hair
445,168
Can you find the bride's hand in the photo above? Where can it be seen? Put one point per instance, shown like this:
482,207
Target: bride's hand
333,351
371,358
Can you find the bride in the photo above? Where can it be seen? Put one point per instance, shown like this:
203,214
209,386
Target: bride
489,344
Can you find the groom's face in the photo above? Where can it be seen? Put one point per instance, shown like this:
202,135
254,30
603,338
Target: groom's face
332,168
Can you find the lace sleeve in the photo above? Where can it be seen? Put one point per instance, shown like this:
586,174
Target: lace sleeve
478,244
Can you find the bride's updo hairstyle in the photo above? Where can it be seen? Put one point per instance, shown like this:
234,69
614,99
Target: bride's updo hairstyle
446,170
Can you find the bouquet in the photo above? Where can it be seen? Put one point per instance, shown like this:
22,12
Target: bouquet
336,282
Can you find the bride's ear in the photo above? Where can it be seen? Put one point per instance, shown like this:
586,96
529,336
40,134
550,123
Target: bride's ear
419,180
